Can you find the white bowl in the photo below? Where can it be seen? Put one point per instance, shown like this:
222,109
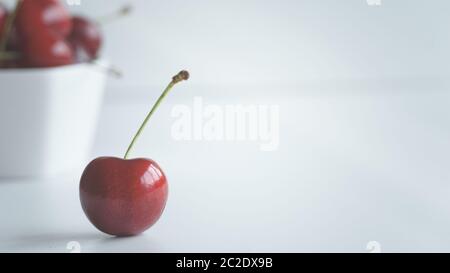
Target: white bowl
48,118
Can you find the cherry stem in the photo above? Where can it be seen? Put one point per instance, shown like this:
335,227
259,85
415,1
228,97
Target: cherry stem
110,70
124,11
9,26
182,76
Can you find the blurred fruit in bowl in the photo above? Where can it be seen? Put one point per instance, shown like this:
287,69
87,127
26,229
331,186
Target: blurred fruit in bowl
48,51
85,39
42,26
36,16
50,68
43,33
86,36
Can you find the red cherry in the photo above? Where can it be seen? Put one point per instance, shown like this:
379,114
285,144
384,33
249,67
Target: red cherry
6,63
123,197
47,50
57,17
85,38
35,16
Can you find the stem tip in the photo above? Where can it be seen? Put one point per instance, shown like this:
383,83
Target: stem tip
182,76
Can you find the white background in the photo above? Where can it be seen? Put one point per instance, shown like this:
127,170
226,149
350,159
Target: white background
245,42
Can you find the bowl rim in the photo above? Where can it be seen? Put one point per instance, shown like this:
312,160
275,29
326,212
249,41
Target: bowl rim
31,70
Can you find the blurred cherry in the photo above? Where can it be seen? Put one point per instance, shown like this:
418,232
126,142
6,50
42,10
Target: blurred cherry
36,16
57,17
47,50
85,39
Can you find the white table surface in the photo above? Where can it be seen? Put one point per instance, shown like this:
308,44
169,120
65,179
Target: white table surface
354,165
